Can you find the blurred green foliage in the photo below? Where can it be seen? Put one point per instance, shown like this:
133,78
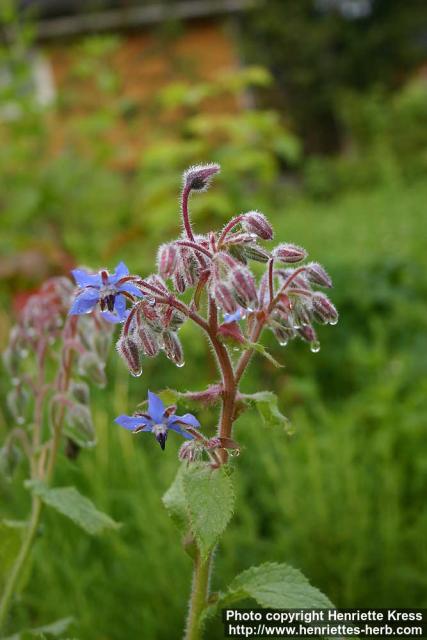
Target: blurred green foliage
319,49
344,498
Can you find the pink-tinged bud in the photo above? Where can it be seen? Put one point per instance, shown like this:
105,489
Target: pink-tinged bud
289,253
188,267
253,252
129,351
302,312
283,334
300,281
191,451
147,341
208,397
257,223
179,282
232,331
173,348
157,281
317,274
223,296
244,289
239,238
147,313
307,333
198,177
166,259
324,310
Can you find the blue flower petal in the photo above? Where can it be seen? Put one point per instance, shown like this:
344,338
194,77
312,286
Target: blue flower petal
85,279
132,422
84,302
187,418
156,408
130,288
182,432
120,306
113,317
233,317
120,272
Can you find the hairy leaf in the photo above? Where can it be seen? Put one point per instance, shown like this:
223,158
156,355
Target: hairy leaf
69,502
274,585
266,403
210,501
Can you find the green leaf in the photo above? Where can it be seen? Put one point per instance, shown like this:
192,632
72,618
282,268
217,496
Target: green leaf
175,501
274,585
10,541
53,629
69,502
266,403
209,497
256,346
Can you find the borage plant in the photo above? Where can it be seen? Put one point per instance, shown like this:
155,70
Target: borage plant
232,310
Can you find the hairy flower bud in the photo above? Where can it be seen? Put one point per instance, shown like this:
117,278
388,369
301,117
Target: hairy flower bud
129,351
257,223
283,334
190,451
254,252
223,296
147,340
173,348
179,282
317,274
289,253
198,177
324,310
244,289
167,259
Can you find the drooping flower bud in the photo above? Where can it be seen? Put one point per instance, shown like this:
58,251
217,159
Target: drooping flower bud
289,253
129,351
256,222
254,252
190,451
223,296
167,259
179,282
317,274
147,340
173,348
324,310
307,333
283,334
198,177
244,289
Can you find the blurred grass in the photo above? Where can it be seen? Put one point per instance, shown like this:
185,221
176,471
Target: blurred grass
343,499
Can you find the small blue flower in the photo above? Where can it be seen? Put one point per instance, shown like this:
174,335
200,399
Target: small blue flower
234,317
106,289
158,420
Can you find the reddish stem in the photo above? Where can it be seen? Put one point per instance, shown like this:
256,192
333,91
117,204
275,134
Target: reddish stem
228,227
185,213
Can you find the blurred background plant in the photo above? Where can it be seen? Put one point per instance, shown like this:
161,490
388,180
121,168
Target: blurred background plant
325,132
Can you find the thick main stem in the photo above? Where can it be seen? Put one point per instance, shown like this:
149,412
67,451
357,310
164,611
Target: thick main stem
20,561
199,596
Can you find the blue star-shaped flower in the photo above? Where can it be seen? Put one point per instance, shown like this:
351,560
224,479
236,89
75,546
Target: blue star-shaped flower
158,420
106,289
234,317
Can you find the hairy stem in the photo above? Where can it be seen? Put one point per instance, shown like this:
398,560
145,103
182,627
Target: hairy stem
21,560
185,213
199,596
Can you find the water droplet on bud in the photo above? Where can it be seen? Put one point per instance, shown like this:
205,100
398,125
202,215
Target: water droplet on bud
180,364
283,343
136,374
315,346
334,321
234,453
